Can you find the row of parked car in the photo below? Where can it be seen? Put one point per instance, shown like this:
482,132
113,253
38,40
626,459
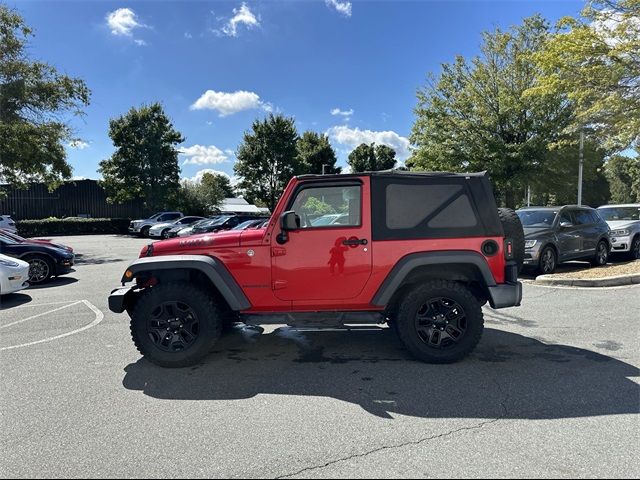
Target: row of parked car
559,234
24,262
174,224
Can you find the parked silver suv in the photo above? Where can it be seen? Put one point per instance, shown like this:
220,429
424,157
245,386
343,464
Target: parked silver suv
141,227
624,221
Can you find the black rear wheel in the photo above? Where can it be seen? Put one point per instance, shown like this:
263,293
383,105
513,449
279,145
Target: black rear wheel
440,321
175,325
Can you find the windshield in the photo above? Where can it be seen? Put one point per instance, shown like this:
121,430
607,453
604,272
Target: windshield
8,234
7,240
612,214
537,218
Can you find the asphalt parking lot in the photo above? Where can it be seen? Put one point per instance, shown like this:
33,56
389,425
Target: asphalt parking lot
552,391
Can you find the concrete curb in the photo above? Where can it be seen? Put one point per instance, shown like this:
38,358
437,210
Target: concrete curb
619,280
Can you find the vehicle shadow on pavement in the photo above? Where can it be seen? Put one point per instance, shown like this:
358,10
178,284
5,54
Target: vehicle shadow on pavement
14,300
54,282
508,376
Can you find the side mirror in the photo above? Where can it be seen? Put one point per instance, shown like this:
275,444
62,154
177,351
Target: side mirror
566,224
289,221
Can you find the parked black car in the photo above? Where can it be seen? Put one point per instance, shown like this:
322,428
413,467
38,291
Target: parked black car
45,261
558,234
222,223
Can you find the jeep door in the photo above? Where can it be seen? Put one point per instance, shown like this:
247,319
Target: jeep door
329,256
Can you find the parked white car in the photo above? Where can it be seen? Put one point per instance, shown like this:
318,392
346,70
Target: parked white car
142,227
624,222
14,274
7,223
161,230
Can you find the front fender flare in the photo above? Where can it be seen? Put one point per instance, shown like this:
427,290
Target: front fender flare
213,268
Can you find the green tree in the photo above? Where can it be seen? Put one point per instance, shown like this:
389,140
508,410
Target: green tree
34,98
594,61
145,163
215,188
623,174
371,158
267,159
475,116
314,151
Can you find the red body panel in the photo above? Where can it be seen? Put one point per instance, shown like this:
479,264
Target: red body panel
313,271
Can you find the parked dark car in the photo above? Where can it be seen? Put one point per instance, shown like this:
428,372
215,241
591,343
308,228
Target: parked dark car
45,261
558,234
38,241
222,223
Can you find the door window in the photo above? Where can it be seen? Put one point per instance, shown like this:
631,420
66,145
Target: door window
583,217
567,217
328,207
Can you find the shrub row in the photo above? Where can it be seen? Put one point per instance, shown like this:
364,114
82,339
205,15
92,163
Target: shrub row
72,226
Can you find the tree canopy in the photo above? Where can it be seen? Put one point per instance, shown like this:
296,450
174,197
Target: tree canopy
475,116
595,62
145,163
204,196
314,151
371,158
34,98
623,174
267,159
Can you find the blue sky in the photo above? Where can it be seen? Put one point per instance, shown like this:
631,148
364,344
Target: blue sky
348,69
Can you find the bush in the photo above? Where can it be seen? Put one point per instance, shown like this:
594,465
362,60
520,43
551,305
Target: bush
72,226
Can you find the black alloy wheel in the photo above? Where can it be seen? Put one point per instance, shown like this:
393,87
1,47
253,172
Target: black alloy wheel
173,326
602,254
548,261
441,322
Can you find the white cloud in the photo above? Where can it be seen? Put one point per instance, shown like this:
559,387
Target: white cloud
241,16
614,26
352,137
199,174
343,8
188,36
343,113
123,22
203,155
229,103
78,145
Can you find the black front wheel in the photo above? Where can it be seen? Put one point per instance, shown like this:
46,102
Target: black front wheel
175,325
635,248
548,261
41,268
165,234
440,321
602,254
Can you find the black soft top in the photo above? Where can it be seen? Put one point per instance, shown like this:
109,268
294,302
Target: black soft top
391,174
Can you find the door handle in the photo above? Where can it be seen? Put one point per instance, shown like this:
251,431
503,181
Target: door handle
353,242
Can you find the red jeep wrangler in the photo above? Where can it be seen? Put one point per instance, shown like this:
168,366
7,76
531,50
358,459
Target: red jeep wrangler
420,251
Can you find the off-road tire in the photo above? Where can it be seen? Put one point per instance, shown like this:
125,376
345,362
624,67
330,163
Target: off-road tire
512,227
416,298
206,310
601,257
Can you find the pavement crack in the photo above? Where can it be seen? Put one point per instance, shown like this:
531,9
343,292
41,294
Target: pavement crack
420,441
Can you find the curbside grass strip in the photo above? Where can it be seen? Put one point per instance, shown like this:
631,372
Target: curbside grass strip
619,280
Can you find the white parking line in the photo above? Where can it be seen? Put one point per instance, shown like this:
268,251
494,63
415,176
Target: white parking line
99,317
28,305
39,315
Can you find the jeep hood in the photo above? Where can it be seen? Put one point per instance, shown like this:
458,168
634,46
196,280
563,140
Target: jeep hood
224,239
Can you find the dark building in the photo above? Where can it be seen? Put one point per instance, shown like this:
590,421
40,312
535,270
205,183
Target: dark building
77,198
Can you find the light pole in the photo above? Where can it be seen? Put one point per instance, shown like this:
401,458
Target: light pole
580,167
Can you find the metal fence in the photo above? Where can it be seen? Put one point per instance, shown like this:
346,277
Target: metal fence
84,198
